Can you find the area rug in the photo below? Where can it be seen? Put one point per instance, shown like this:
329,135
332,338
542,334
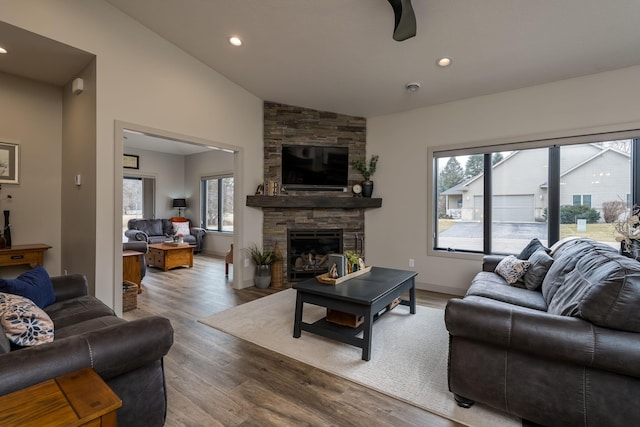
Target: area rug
408,359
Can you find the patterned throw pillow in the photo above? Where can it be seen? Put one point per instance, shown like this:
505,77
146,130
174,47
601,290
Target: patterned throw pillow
23,322
512,268
181,228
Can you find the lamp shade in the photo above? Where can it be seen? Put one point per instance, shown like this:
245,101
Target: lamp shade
179,203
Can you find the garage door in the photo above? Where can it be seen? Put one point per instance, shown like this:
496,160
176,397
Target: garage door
506,208
513,208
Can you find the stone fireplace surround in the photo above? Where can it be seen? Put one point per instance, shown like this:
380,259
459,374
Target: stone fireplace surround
290,125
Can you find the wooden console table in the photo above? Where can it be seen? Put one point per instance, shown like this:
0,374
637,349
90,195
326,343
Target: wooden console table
31,255
80,398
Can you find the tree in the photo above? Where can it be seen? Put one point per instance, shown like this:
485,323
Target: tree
474,165
451,175
497,157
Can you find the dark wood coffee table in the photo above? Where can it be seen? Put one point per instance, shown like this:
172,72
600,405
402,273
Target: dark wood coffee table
367,295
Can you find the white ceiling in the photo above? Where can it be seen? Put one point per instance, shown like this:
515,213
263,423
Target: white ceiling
339,55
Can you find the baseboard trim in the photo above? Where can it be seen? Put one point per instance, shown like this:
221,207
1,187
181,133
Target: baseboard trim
441,289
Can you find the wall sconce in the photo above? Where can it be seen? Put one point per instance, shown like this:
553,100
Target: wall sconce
180,204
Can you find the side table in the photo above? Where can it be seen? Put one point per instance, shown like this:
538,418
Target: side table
131,264
30,255
80,398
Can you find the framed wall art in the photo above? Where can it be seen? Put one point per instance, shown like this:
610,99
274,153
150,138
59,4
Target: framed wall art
130,161
9,163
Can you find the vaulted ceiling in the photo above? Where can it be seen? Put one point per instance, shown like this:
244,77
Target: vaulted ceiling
339,55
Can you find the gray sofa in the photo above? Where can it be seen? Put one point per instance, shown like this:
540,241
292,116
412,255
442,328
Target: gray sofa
127,355
158,230
567,354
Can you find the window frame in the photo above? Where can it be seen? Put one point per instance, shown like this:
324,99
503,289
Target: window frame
203,205
553,143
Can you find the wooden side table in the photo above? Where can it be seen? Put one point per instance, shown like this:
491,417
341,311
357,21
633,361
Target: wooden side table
131,265
30,255
80,398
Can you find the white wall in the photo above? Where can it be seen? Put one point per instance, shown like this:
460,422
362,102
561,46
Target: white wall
145,80
168,172
32,117
201,165
398,231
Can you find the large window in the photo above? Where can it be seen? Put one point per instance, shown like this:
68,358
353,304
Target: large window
496,201
138,195
217,206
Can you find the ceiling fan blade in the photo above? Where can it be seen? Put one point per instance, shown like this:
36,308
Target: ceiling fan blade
405,20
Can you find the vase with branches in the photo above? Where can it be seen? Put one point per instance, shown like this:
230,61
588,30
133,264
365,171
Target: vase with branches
628,227
367,171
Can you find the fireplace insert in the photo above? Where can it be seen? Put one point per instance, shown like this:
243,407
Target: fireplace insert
308,252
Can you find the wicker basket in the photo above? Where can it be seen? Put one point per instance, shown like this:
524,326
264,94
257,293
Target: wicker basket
276,268
129,295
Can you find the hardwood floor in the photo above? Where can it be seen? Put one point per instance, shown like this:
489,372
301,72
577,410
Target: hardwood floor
214,379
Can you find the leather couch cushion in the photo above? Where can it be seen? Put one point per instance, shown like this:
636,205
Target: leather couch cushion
75,310
564,261
491,285
603,288
153,227
87,326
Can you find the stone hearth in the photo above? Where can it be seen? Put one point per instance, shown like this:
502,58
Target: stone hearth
290,125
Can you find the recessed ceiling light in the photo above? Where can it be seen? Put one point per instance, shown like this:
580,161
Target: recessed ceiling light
3,50
444,62
236,41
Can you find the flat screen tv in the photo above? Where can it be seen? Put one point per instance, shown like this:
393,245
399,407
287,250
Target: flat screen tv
315,168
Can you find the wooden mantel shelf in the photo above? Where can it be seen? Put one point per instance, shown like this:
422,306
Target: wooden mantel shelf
313,202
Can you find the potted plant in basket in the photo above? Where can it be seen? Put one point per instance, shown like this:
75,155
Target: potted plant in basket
367,172
262,259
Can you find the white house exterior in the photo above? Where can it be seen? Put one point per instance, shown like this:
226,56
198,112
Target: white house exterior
590,175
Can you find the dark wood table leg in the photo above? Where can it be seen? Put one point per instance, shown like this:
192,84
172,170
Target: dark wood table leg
412,297
367,333
298,319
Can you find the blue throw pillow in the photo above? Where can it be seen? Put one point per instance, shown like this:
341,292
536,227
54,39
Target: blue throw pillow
34,284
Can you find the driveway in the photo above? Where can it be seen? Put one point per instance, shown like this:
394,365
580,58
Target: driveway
499,230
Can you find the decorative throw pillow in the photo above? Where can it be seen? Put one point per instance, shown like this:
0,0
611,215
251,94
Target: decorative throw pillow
34,284
540,264
512,268
23,322
181,228
533,246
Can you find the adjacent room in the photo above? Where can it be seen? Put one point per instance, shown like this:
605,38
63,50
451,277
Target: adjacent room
283,213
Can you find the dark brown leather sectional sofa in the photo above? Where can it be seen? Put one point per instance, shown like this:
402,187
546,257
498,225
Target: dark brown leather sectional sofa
565,355
127,355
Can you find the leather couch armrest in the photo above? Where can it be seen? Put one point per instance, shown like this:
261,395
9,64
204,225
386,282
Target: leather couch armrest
118,349
490,262
538,333
110,351
198,232
136,235
69,286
